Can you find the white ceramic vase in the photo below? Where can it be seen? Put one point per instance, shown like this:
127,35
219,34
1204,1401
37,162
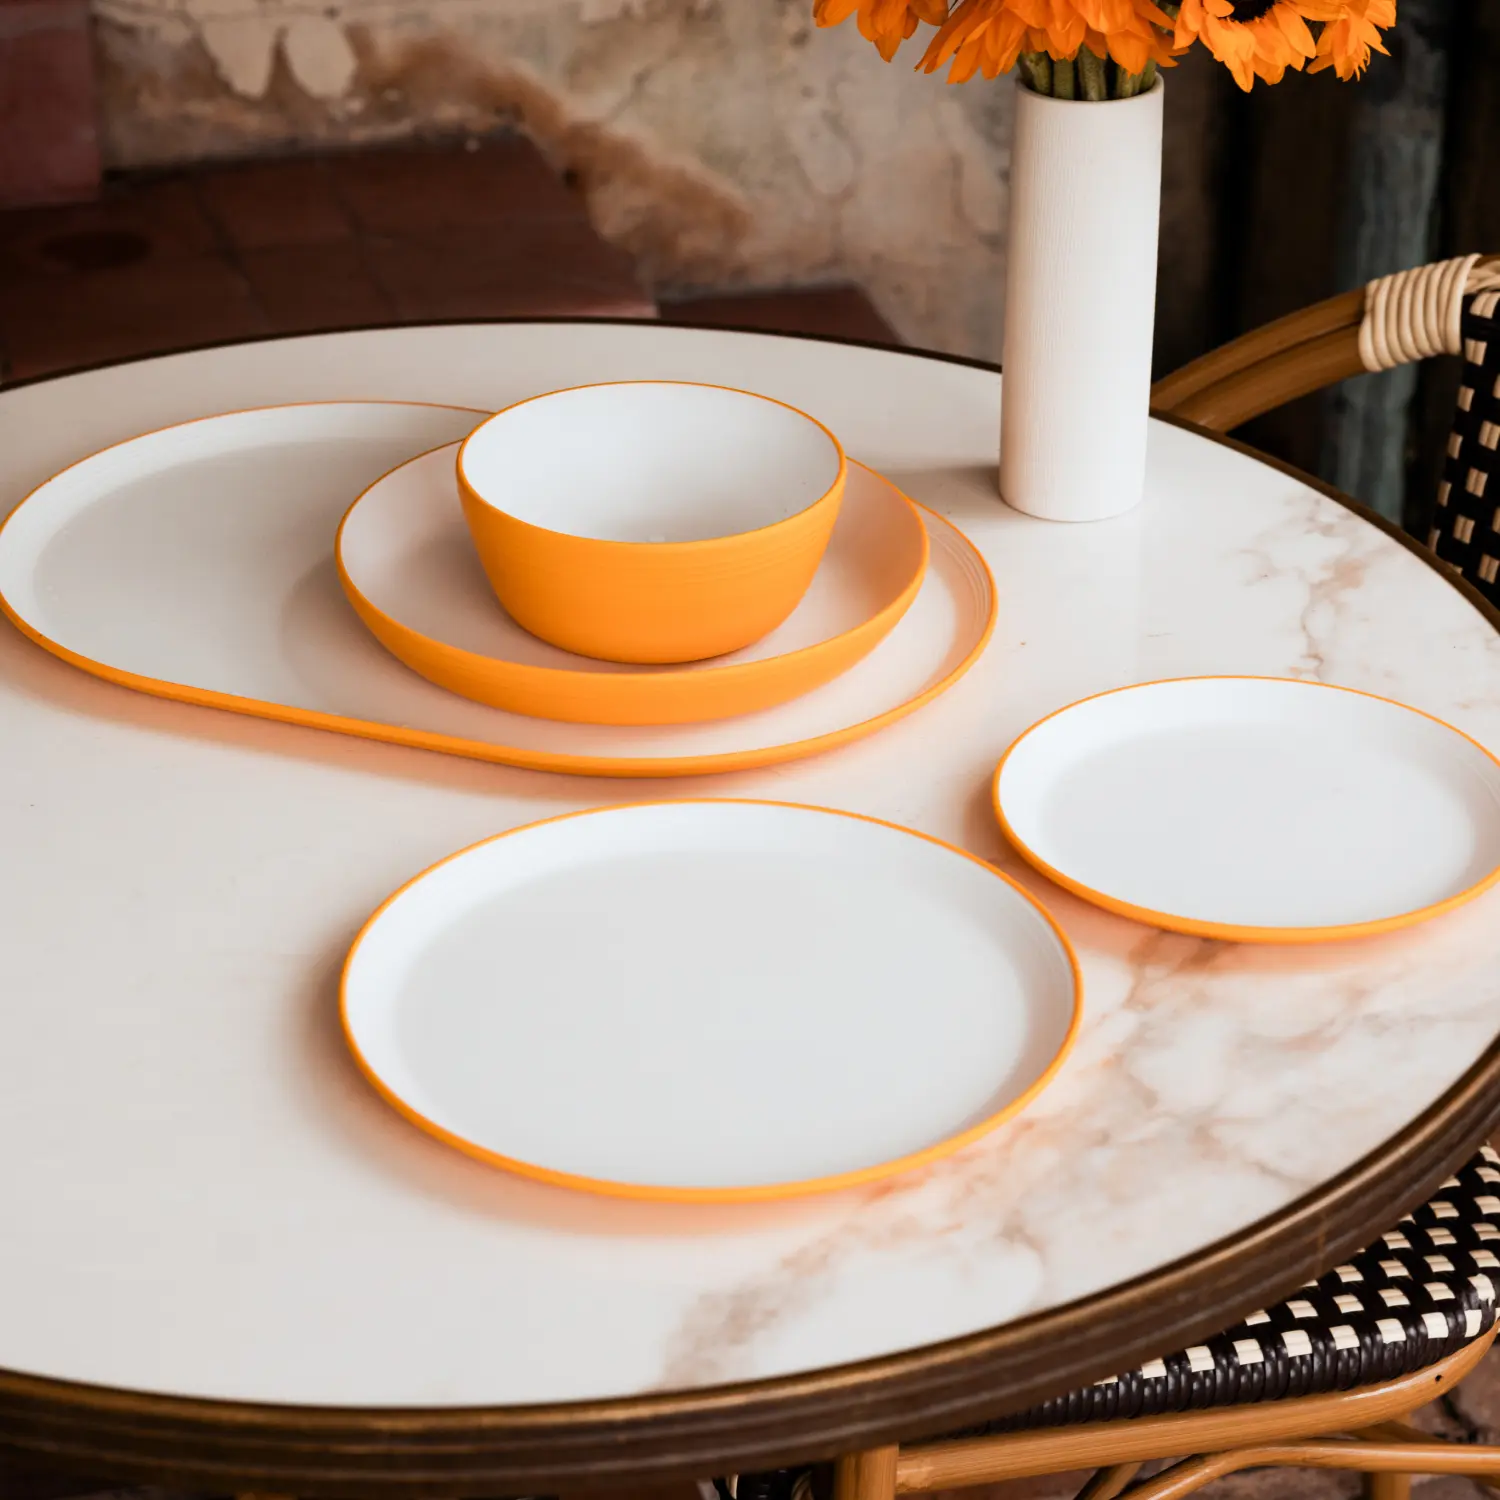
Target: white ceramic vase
1080,304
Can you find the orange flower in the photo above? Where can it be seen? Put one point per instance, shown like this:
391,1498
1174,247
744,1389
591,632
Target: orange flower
887,23
1346,44
1256,38
1252,38
980,35
989,35
1132,32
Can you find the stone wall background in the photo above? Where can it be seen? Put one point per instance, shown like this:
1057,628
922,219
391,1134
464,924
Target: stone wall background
725,143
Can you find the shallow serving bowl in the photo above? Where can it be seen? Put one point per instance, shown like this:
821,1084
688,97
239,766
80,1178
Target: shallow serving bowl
651,521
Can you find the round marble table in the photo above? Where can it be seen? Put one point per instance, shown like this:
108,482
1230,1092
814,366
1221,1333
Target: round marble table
224,1262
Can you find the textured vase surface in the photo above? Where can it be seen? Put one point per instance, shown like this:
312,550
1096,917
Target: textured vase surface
1080,304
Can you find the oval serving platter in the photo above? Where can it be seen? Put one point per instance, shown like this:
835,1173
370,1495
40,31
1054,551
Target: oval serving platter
196,563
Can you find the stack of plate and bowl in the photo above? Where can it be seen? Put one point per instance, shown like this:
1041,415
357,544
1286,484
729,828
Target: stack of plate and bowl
664,553
661,552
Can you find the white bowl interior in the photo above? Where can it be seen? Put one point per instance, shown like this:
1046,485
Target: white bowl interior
651,461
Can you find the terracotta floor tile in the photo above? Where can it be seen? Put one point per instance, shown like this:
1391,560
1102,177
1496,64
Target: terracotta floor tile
132,223
477,276
395,192
525,180
49,148
63,322
305,288
839,311
268,203
570,248
294,245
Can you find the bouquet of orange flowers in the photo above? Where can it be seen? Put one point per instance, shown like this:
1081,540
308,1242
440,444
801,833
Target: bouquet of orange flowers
1111,49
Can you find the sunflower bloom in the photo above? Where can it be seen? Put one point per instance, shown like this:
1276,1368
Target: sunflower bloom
887,23
1346,44
1063,25
1256,38
979,36
989,35
983,33
1131,32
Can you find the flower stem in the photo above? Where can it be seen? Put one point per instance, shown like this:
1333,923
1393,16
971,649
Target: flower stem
1062,80
1093,81
1036,69
1128,85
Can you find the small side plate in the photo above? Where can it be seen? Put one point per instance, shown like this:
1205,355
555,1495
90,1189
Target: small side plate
1254,809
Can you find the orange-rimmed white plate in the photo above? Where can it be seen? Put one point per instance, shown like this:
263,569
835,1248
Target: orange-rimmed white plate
409,567
710,1001
196,563
1255,809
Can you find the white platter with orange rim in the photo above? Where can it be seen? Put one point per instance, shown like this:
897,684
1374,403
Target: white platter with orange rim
710,1001
1253,809
197,563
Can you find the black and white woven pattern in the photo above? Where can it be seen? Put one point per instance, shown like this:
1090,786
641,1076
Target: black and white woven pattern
1466,523
1419,1294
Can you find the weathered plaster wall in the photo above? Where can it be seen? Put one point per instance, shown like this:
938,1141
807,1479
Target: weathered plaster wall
723,142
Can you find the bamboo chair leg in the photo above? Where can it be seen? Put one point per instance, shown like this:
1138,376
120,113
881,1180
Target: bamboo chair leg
1108,1482
1392,1486
870,1475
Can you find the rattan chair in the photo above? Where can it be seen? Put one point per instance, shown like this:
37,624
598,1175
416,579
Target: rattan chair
1447,308
1322,1380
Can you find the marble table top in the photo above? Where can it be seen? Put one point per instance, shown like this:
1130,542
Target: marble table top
202,1198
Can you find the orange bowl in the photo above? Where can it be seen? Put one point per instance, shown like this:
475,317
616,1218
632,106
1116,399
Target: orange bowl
650,521
407,567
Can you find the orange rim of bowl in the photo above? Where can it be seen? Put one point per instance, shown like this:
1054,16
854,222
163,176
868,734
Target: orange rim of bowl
529,678
1232,932
698,543
759,1193
557,762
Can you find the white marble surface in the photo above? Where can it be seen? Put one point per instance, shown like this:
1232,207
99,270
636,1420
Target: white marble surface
200,1195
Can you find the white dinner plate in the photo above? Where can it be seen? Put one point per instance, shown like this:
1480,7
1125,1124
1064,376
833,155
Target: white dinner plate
710,1001
1255,809
196,563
